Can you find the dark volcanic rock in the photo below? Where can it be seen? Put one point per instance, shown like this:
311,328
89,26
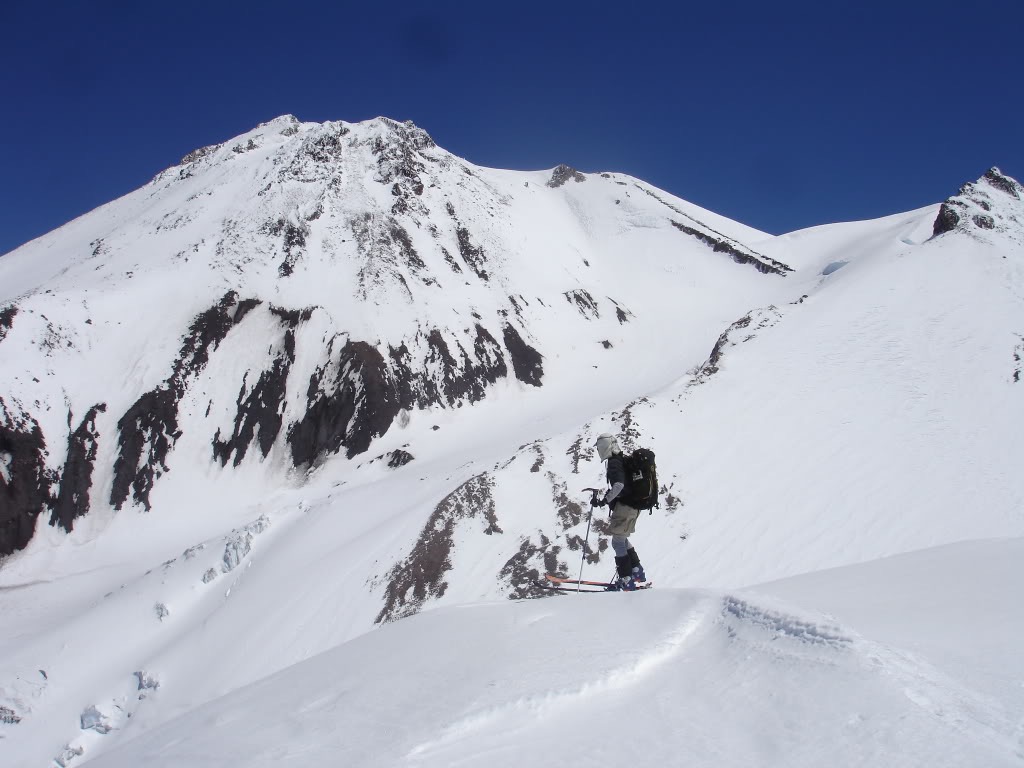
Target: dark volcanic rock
24,479
400,160
564,173
149,429
473,255
527,362
388,254
445,377
584,302
293,243
522,571
749,324
995,178
722,244
1018,356
350,401
76,478
399,458
420,576
7,320
990,203
947,219
262,407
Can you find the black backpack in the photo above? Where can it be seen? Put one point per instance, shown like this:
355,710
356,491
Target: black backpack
641,479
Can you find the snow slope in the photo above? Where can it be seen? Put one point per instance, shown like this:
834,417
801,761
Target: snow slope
862,404
667,677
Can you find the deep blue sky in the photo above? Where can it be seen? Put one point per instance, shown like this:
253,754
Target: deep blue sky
778,114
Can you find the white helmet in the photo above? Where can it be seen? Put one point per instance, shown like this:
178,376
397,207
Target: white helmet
606,445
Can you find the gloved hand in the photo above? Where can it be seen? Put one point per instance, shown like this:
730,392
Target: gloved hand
597,501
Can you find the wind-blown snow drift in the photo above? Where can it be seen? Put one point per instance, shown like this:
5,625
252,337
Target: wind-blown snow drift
669,677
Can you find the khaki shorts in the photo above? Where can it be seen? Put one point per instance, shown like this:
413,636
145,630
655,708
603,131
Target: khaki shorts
623,520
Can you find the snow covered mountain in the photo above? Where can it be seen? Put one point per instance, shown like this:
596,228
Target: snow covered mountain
323,376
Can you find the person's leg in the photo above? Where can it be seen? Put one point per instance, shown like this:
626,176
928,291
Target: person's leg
623,522
620,545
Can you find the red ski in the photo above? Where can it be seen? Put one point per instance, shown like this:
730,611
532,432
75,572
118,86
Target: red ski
565,582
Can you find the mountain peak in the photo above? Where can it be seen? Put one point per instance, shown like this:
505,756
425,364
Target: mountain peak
993,202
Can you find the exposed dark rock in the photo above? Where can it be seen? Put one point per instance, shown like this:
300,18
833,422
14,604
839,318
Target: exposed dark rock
522,573
318,156
569,512
76,478
1018,355
293,241
399,158
239,149
984,204
721,244
527,362
629,433
564,173
538,462
399,458
350,401
149,429
262,407
592,555
388,254
7,320
711,366
584,302
198,154
420,576
326,147
24,479
621,315
443,379
242,308
759,318
473,255
1003,183
401,237
947,219
451,260
672,502
490,361
579,452
9,716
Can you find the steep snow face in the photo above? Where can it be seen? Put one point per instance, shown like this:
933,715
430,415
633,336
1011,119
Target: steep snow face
295,292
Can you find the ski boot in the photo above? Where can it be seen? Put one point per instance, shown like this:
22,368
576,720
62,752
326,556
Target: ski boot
624,580
638,574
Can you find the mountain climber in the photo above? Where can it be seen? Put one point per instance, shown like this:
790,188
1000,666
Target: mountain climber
622,517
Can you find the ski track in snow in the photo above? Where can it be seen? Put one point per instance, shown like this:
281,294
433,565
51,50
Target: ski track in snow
522,713
935,693
958,707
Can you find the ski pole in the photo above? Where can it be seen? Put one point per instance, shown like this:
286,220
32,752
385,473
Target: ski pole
590,515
